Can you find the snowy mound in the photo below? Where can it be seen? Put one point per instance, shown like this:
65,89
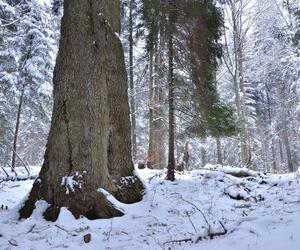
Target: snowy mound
209,209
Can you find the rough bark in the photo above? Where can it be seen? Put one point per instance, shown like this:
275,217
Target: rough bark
89,145
14,153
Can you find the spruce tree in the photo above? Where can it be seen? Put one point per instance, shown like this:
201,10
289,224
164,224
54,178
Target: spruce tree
89,145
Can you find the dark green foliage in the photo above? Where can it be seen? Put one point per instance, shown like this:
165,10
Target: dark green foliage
199,23
197,28
222,122
203,32
154,15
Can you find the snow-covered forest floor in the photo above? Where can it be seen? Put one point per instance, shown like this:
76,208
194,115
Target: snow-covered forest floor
259,212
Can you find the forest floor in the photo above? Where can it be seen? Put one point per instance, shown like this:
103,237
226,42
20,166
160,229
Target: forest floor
210,207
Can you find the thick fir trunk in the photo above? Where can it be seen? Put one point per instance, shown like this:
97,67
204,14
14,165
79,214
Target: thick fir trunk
171,156
89,145
15,143
131,83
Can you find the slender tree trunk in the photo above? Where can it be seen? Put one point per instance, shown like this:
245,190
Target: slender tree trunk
203,154
238,80
171,156
288,150
286,139
281,151
244,128
156,155
186,156
13,162
151,148
131,83
274,165
159,132
219,151
89,145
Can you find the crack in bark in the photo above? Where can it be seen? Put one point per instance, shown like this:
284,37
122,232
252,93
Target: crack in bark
71,166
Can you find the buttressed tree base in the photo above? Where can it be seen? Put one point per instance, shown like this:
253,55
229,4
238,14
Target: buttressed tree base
89,143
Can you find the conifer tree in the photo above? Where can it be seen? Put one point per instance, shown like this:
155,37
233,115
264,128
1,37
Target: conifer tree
89,145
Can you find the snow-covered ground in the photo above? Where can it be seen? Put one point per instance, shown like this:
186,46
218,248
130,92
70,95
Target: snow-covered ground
258,212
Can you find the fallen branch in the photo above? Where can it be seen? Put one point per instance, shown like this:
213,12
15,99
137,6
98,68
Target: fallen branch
178,241
156,175
13,242
13,170
65,230
110,230
210,236
198,209
17,178
225,231
24,164
274,185
187,214
7,175
30,230
291,202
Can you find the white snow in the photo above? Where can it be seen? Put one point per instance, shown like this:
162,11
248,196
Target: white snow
268,218
70,182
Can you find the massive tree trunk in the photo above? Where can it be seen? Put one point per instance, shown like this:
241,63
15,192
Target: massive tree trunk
89,143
